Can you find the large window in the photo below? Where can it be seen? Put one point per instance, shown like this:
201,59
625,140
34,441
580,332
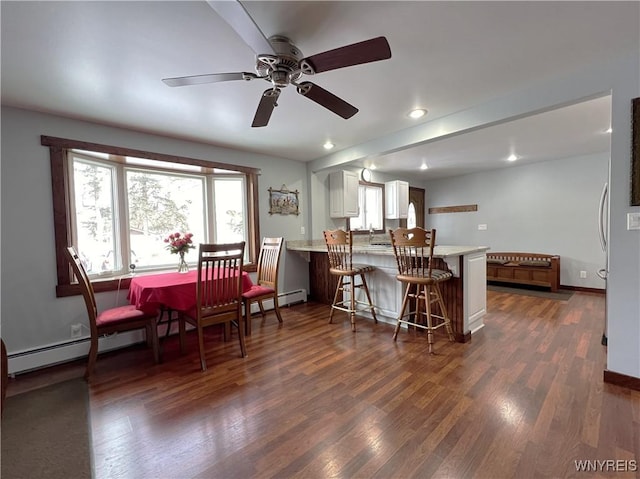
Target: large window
119,206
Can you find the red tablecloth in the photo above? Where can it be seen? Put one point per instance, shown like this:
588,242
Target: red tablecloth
175,291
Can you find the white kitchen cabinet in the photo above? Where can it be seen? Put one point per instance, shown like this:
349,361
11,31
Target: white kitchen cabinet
343,194
475,290
396,195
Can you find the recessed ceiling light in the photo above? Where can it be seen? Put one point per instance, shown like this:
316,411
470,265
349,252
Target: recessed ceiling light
424,166
512,157
328,145
372,166
417,113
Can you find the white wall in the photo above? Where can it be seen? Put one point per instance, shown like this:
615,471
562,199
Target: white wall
549,207
31,315
623,283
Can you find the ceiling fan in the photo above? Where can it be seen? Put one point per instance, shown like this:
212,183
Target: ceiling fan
281,63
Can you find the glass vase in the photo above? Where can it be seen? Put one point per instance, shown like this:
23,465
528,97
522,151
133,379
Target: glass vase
183,267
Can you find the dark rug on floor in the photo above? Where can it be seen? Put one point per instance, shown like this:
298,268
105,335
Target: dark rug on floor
561,294
46,433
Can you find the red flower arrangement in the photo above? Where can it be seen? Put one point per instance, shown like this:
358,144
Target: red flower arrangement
179,243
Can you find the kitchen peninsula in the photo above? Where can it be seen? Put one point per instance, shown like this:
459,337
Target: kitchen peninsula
465,294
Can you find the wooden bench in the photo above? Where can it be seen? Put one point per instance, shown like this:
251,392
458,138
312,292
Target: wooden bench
534,269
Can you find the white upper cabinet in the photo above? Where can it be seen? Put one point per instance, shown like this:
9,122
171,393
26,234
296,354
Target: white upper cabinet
396,195
343,194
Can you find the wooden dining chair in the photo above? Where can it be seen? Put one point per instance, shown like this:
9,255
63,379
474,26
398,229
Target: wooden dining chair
266,285
113,320
218,294
413,249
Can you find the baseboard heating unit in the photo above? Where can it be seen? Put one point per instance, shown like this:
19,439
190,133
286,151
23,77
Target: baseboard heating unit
284,299
51,354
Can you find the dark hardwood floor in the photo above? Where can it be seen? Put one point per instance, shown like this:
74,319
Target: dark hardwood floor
525,398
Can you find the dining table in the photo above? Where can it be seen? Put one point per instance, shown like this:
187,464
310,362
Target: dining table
168,292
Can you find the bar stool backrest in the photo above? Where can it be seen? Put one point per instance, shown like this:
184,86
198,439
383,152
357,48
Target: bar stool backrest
413,249
339,244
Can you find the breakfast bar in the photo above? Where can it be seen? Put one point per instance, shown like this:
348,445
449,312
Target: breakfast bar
465,294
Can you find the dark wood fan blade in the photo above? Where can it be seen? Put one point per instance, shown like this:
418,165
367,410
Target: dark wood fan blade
267,103
327,99
234,13
356,54
211,78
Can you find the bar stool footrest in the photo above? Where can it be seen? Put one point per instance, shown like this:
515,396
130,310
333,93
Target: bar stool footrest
365,306
420,325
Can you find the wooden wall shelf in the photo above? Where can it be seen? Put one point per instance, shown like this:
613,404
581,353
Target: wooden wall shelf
453,209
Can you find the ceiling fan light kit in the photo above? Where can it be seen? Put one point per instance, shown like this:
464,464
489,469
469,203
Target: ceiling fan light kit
281,63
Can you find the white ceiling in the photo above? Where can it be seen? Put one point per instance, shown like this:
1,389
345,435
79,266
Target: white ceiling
575,130
104,61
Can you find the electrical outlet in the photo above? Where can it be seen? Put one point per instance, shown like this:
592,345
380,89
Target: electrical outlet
583,274
482,227
76,330
302,230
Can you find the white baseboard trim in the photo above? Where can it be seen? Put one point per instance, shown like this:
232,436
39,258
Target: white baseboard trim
51,354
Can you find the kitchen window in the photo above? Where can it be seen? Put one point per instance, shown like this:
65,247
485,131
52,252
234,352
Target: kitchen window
119,205
370,207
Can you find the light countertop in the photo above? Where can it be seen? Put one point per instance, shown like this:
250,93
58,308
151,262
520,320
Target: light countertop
440,251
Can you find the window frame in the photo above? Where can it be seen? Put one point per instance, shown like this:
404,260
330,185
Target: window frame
383,200
61,196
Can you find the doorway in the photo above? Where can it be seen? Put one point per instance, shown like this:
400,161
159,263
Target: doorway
416,209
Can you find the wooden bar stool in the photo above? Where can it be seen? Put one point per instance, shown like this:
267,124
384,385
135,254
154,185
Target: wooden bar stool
413,249
339,248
